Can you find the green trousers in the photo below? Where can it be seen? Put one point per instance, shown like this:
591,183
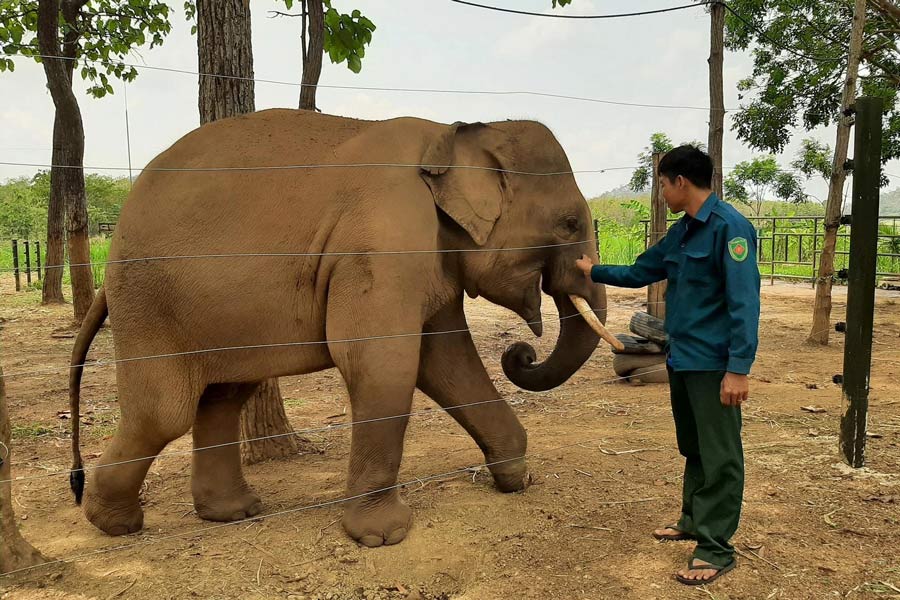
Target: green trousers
709,438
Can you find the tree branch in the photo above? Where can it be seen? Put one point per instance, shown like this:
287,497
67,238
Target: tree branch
277,13
888,10
885,70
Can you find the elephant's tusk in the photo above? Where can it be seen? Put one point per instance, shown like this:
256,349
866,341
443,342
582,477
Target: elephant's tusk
588,313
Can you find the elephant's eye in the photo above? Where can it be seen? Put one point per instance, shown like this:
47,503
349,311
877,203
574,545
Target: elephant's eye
572,224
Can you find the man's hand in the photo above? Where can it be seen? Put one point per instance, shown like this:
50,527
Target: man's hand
585,264
735,389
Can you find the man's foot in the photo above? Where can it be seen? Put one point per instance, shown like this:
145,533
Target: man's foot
671,533
699,572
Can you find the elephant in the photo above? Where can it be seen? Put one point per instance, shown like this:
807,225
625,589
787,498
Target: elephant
365,260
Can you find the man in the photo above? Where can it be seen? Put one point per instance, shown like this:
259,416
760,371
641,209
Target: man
712,308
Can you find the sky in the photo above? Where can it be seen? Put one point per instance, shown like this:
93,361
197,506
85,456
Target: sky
434,44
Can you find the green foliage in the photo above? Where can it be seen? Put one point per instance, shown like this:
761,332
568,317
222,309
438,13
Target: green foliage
804,88
814,158
104,32
561,3
752,182
346,34
659,142
23,204
23,210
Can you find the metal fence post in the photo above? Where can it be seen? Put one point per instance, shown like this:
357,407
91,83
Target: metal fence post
15,253
27,263
861,279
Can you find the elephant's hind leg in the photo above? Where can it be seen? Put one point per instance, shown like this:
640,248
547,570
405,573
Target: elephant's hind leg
157,407
217,482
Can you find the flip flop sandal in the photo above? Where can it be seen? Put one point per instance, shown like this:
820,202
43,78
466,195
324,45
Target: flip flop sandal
719,572
673,537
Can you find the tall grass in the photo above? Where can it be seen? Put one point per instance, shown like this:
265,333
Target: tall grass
99,256
622,238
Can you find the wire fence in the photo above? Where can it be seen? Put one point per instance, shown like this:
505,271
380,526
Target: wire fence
325,429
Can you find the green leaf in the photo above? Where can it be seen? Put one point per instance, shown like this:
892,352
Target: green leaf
354,63
332,18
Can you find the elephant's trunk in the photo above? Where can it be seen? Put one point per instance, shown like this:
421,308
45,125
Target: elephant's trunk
574,346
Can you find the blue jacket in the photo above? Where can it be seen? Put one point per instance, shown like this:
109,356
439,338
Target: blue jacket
712,299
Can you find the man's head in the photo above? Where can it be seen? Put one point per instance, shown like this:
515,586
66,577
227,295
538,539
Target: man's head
685,175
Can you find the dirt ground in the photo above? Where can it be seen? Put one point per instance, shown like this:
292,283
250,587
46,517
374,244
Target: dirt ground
602,455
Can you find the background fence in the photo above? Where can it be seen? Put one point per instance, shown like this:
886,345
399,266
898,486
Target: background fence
787,247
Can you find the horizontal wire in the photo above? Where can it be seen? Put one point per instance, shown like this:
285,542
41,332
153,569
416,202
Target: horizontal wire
105,362
304,508
311,166
565,16
303,255
368,88
432,411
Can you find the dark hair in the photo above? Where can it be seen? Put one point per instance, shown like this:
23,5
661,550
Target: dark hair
690,162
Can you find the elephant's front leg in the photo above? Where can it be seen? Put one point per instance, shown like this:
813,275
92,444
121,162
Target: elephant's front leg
380,376
452,374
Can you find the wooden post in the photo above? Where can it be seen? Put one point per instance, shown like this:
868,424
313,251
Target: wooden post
861,279
15,552
716,90
27,263
656,293
772,257
597,236
15,250
37,253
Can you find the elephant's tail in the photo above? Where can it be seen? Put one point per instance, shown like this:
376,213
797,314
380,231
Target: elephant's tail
89,328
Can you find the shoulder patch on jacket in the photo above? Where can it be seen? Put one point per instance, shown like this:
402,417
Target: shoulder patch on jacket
738,249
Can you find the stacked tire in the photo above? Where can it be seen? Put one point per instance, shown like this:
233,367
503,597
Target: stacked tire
643,359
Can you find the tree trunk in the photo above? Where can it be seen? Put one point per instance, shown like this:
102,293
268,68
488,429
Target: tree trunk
67,191
716,92
15,552
656,292
52,292
821,322
224,46
312,55
264,415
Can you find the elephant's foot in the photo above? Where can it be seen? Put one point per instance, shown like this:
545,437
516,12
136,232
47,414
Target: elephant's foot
228,507
512,476
113,518
378,520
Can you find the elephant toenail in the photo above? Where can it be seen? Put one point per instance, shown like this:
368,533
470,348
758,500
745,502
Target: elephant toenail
372,541
396,536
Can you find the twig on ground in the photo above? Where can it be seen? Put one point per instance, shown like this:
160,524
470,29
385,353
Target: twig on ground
322,530
123,590
627,501
263,550
578,526
621,452
765,560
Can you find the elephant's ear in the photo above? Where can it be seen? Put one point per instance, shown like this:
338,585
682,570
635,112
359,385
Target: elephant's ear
463,169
